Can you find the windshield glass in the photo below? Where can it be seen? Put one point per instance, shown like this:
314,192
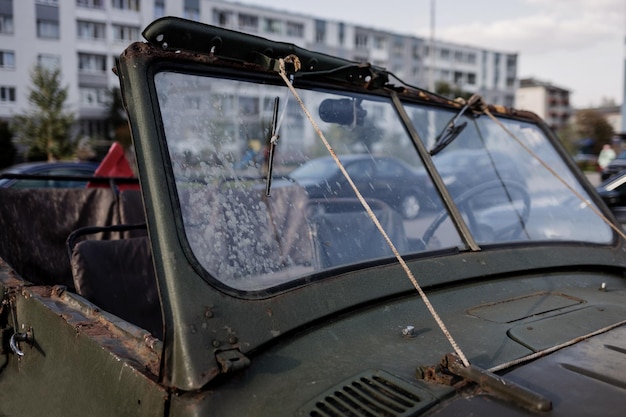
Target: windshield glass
218,135
503,191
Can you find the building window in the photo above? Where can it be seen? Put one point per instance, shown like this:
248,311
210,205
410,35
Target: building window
360,41
496,70
48,29
93,97
471,58
159,8
7,59
192,103
125,4
248,22
273,26
50,62
320,31
91,63
471,78
342,33
458,77
192,10
458,56
6,23
93,128
125,33
510,82
223,18
444,54
295,30
7,94
398,48
90,30
93,4
379,42
248,105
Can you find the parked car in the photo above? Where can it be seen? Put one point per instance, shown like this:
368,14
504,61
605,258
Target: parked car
613,192
385,178
211,292
615,166
33,174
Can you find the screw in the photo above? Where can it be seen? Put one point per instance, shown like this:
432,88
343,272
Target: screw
408,332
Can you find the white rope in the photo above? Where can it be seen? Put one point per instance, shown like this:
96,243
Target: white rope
371,214
554,348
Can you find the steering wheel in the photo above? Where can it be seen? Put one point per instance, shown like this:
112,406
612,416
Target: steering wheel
462,202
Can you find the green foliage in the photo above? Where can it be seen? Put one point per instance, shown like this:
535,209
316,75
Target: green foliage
116,119
451,92
45,128
591,124
7,149
569,137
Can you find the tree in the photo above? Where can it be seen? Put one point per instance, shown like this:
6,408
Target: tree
45,129
591,124
116,118
7,149
446,90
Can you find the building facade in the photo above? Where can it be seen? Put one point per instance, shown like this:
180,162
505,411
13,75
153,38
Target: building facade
84,37
550,102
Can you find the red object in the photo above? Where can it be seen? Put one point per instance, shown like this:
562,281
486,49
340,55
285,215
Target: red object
115,164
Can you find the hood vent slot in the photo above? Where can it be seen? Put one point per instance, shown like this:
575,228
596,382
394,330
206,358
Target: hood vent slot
370,394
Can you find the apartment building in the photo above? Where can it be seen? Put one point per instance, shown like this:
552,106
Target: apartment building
84,37
550,102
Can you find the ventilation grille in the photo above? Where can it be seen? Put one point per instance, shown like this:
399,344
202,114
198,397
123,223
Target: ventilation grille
371,394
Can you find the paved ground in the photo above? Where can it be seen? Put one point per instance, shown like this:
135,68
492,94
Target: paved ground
594,178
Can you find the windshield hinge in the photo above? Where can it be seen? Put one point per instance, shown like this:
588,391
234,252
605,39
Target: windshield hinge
232,361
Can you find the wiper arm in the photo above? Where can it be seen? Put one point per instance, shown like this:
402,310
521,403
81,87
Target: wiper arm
451,369
272,144
452,130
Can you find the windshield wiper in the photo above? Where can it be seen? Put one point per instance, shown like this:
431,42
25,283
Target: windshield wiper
272,145
452,130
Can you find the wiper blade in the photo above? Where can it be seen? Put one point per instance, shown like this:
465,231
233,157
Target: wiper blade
452,130
272,145
447,136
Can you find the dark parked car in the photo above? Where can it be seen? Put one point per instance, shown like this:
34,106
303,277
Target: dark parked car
615,166
386,178
613,192
17,176
211,292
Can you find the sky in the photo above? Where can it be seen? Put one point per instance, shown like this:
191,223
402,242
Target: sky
574,44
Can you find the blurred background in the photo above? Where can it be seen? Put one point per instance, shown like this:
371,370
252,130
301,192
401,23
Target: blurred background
564,60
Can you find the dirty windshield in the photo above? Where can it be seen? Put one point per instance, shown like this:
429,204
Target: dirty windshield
226,136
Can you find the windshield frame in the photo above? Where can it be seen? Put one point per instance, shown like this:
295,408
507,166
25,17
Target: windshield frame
201,316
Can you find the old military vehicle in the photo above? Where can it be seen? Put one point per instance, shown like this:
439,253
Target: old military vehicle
224,288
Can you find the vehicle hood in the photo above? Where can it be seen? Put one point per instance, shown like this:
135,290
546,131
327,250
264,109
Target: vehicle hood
307,373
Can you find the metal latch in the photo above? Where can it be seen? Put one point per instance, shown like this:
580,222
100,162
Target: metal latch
232,360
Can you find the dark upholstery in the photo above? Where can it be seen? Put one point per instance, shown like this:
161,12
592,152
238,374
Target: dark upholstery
118,276
131,211
344,233
34,224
